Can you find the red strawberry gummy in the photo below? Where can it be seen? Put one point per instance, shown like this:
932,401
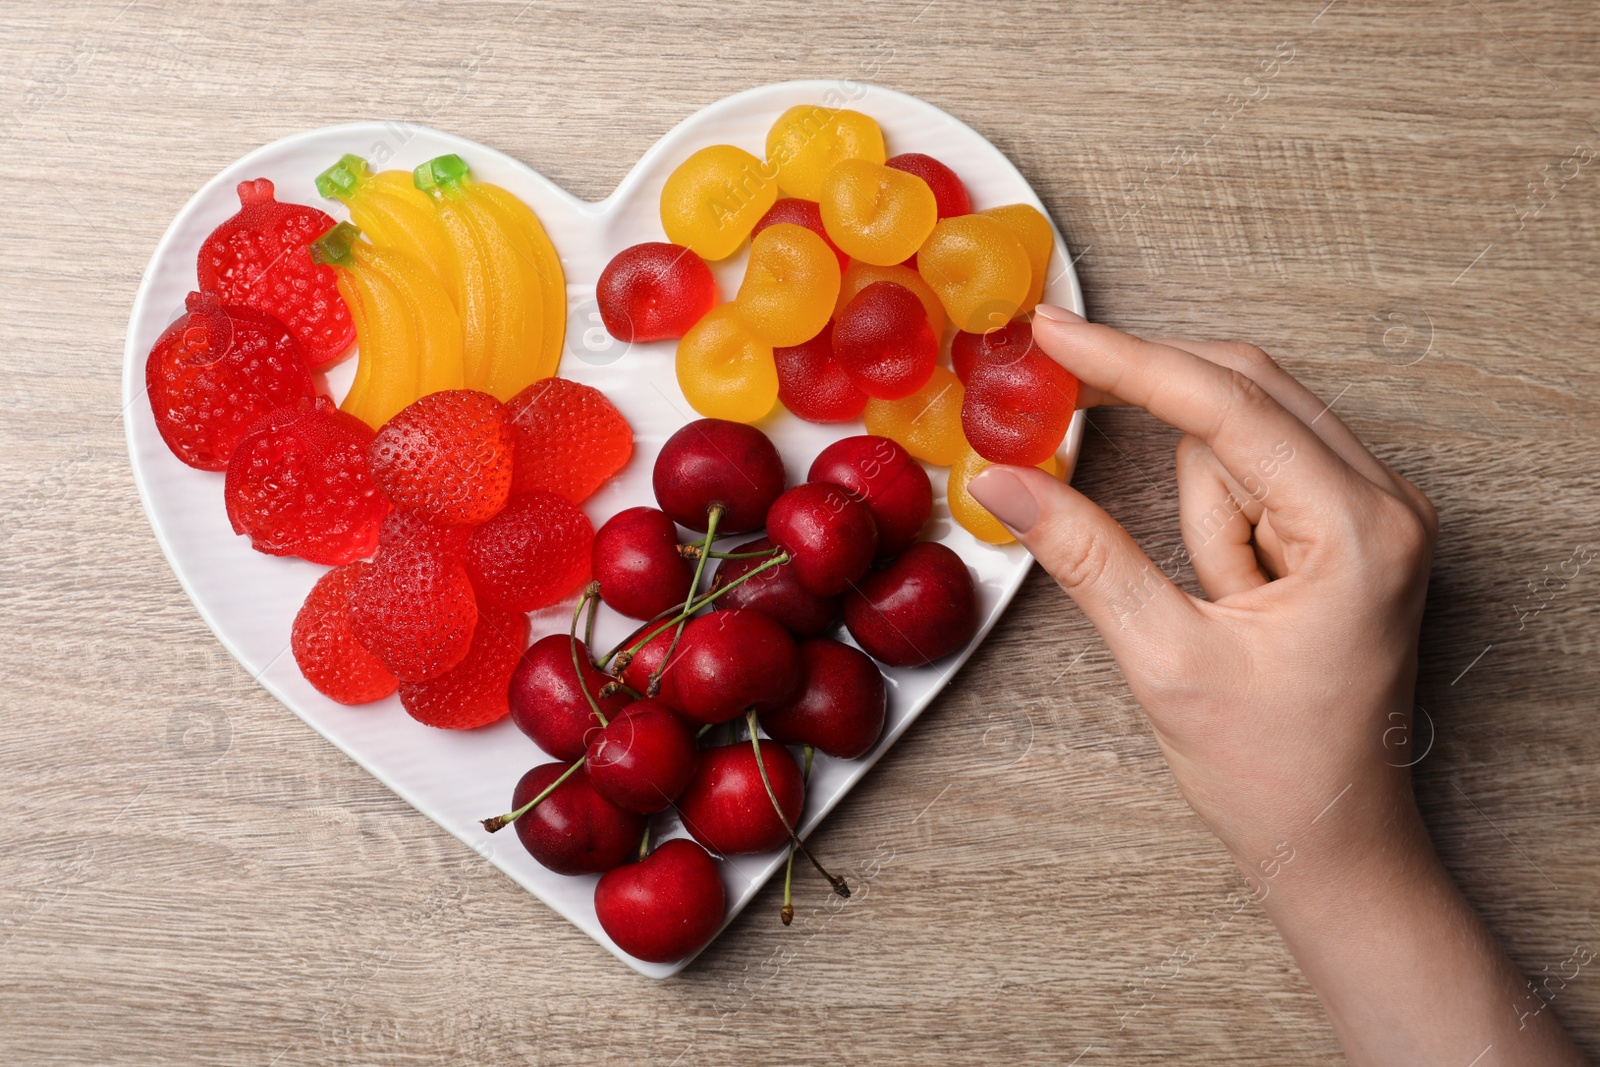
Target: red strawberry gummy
812,384
654,291
415,612
569,438
532,554
949,194
325,645
298,485
260,258
883,341
800,212
1005,345
217,370
447,455
410,529
1017,411
473,693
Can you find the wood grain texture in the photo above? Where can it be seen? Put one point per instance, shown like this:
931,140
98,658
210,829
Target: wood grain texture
192,876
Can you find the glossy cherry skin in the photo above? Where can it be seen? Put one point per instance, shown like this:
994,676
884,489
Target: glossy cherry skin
920,608
726,807
665,906
776,593
636,674
729,661
829,533
637,564
642,758
840,705
714,461
884,475
547,703
574,830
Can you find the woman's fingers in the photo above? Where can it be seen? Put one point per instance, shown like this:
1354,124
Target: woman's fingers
1217,522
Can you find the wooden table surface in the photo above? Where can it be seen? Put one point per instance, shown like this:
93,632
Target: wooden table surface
1402,202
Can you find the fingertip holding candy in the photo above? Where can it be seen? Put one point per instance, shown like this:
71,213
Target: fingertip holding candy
1000,488
1017,412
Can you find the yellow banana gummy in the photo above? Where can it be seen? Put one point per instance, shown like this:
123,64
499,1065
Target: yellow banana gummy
391,212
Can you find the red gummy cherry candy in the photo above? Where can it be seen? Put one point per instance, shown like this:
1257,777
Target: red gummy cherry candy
775,592
726,807
1017,412
325,646
298,485
574,830
813,385
415,612
569,438
654,291
798,212
920,608
665,906
839,706
637,563
884,343
261,258
893,485
714,461
473,692
447,455
948,191
829,533
1005,345
217,370
729,661
532,554
548,703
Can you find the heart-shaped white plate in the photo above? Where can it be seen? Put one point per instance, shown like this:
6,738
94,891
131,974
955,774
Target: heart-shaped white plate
250,599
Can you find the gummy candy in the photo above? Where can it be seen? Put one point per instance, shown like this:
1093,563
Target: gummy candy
473,692
532,554
725,370
802,213
298,485
894,486
1017,412
528,234
859,275
258,259
875,213
1038,240
1004,345
448,455
568,437
927,423
415,611
409,332
654,291
403,529
811,383
882,340
325,647
711,202
215,371
808,140
948,192
391,211
790,285
973,515
980,270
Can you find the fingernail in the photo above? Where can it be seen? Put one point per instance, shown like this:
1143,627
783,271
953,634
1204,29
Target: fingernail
1006,498
1057,314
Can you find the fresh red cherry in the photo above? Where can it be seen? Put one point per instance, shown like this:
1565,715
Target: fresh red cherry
775,592
920,608
713,461
643,758
729,661
638,671
637,563
883,474
829,534
548,704
726,806
665,906
574,830
839,707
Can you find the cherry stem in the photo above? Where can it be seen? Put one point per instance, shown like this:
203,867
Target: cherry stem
839,885
644,842
594,612
615,686
787,914
696,552
500,822
713,519
623,654
590,594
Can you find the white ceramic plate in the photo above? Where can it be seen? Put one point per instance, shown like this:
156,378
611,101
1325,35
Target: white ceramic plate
250,599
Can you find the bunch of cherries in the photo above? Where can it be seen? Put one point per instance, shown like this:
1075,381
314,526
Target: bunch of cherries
750,652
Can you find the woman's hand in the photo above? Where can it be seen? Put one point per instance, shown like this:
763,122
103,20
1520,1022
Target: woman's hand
1276,700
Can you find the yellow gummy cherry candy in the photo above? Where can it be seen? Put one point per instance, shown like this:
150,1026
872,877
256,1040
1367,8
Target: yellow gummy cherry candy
980,270
858,275
790,287
973,515
1038,240
715,198
725,370
808,140
927,423
875,213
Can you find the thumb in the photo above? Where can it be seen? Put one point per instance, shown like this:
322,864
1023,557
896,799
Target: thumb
1088,552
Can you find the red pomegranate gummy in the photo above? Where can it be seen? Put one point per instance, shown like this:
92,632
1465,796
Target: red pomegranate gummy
473,692
415,611
325,646
532,554
298,485
569,438
654,291
447,455
214,372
